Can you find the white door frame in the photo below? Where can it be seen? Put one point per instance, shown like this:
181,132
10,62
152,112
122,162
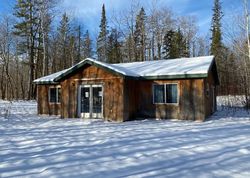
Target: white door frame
90,114
80,114
96,115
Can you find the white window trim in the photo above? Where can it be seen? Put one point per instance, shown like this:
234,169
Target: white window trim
165,94
56,87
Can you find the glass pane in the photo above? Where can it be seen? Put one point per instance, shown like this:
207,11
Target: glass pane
85,95
52,95
97,99
159,94
58,95
171,93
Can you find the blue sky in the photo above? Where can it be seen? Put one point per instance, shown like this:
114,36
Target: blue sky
88,11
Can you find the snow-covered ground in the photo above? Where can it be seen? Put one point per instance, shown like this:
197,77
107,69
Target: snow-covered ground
36,146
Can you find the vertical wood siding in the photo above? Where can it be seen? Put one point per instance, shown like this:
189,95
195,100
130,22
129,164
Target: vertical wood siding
112,92
139,100
125,99
43,105
209,84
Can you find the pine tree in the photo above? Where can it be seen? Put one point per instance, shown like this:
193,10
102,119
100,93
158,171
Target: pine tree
87,45
27,29
114,47
174,45
102,37
168,45
216,44
217,49
140,35
181,45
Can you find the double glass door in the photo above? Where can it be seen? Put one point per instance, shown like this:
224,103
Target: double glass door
91,101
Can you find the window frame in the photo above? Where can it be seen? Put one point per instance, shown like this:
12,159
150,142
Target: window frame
165,93
57,89
177,88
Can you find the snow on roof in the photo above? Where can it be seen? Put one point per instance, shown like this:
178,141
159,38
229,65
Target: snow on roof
156,68
52,78
182,66
119,69
49,78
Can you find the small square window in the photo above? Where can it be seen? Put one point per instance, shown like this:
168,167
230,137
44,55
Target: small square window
55,95
165,93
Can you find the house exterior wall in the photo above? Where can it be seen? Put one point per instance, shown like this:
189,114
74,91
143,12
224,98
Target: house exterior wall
43,104
190,106
128,99
209,91
112,92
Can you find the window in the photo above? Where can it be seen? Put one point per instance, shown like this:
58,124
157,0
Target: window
165,93
55,95
171,93
159,94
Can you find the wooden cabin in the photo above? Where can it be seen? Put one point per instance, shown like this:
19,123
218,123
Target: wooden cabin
182,89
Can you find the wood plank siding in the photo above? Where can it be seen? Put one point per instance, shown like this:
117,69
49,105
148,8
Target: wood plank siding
128,99
139,100
43,104
112,92
209,91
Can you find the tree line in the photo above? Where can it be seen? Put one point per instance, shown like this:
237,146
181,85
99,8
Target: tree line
34,43
32,47
137,36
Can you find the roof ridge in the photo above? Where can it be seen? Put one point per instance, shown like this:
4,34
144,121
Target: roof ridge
181,67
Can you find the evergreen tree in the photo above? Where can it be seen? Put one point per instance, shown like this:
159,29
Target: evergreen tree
140,35
27,29
181,45
102,37
87,45
174,45
168,45
216,47
216,44
114,47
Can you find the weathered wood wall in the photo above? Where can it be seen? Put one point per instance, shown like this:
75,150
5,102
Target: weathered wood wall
190,106
113,86
43,105
128,99
210,102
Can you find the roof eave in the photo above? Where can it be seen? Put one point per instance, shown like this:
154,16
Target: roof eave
90,62
212,67
176,76
45,82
